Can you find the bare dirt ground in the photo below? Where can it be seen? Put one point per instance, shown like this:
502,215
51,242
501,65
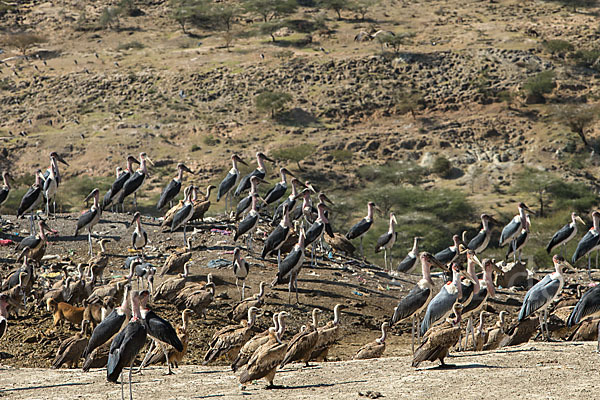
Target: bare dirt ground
532,371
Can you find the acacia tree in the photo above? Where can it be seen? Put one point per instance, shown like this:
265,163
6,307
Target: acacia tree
23,41
271,9
272,101
335,5
578,117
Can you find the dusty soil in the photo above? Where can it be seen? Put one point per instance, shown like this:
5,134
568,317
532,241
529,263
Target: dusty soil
533,370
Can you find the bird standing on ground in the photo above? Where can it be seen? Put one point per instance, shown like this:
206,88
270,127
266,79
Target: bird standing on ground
361,227
417,300
409,262
241,268
31,200
231,179
564,234
386,242
290,267
90,218
172,189
139,237
481,241
126,345
541,295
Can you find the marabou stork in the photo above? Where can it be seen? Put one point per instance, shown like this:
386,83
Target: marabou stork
441,305
480,242
246,202
231,179
3,314
160,330
241,268
514,227
290,202
51,181
362,226
410,261
32,199
116,188
145,271
279,235
5,188
277,191
134,183
139,237
541,295
88,219
290,267
172,189
248,224
417,300
451,253
260,172
587,307
564,234
106,200
54,155
486,290
110,325
517,244
126,345
386,242
589,242
182,216
317,230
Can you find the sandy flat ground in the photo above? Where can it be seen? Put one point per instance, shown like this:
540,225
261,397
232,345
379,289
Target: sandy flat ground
533,371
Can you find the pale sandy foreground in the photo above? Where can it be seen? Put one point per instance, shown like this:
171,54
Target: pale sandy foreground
532,371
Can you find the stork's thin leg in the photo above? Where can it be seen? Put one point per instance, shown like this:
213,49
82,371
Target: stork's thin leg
278,258
90,239
419,330
385,258
296,285
514,248
472,331
143,364
164,350
243,289
54,208
546,324
290,289
361,248
130,386
47,208
184,235
598,348
122,392
237,286
541,317
412,336
460,340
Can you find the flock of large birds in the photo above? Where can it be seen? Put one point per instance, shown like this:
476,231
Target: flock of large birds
122,320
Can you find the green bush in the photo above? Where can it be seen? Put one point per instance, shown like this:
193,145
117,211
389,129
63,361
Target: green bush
587,58
295,153
539,85
441,167
210,140
557,46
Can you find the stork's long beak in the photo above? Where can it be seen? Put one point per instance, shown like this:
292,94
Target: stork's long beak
89,196
150,160
568,266
579,219
327,199
186,169
311,187
238,159
467,275
462,249
62,160
378,209
530,210
267,158
477,261
287,171
494,220
395,220
436,263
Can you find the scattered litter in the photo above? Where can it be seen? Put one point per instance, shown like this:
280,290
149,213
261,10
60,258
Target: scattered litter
218,263
221,231
356,292
51,257
6,242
